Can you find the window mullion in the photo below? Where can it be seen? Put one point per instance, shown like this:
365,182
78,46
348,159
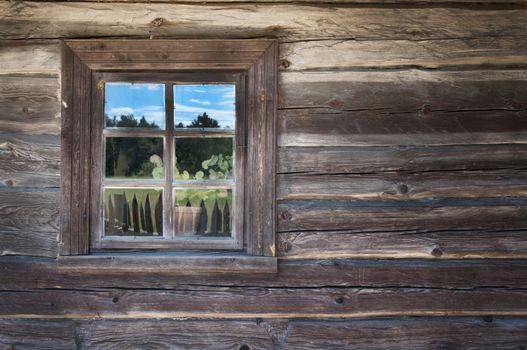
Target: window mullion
168,229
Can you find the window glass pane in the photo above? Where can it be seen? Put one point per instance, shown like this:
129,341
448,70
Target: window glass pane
134,105
203,212
204,106
133,212
203,158
134,157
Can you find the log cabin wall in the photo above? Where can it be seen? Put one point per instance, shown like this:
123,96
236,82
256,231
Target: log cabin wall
401,183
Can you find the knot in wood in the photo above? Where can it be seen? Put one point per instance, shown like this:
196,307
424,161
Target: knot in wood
437,252
244,347
335,103
403,188
115,300
426,109
286,215
339,300
284,63
284,246
157,22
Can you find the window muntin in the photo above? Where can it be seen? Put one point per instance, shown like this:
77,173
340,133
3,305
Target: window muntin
146,144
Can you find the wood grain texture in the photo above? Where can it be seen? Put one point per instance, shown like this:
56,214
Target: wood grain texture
469,244
30,103
288,22
396,186
29,211
368,160
29,162
429,54
29,243
411,90
37,335
423,333
376,2
30,57
246,302
185,264
410,333
410,215
32,273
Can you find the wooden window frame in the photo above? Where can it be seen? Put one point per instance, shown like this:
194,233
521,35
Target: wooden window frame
84,64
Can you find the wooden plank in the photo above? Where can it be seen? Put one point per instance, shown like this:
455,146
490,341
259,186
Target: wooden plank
418,333
318,1
416,91
286,21
31,273
180,334
174,264
30,57
311,127
430,54
30,104
364,160
397,186
236,303
28,243
37,335
468,244
29,163
29,211
420,215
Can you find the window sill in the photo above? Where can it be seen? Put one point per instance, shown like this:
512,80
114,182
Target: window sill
180,264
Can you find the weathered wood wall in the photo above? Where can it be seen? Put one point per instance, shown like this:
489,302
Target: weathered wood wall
401,184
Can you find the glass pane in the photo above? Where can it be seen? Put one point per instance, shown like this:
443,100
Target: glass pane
204,106
134,157
203,158
203,212
133,212
134,105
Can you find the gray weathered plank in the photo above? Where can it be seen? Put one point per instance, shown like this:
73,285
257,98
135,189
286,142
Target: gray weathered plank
447,53
397,186
32,243
30,57
311,127
30,104
362,160
29,161
29,211
429,215
402,334
231,303
37,335
288,22
405,90
30,273
487,244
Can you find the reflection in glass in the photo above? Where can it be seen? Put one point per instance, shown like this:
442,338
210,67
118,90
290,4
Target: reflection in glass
134,105
203,212
134,157
204,106
203,158
133,212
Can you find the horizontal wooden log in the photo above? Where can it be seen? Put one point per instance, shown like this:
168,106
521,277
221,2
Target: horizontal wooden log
416,91
422,333
38,335
29,211
29,243
30,57
31,273
29,161
262,302
403,244
184,264
289,22
364,160
412,333
396,186
449,53
311,127
30,104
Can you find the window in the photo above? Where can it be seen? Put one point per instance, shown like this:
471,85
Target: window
169,145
